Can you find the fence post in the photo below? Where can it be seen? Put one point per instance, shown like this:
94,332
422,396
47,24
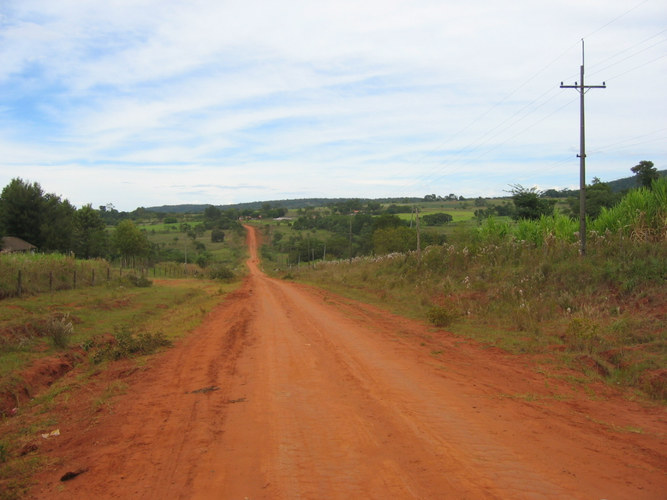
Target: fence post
74,283
93,278
108,274
50,281
18,287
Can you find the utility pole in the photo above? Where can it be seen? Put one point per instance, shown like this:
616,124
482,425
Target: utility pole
581,88
349,249
419,248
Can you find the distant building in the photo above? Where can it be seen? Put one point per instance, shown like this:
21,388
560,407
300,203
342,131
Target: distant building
11,244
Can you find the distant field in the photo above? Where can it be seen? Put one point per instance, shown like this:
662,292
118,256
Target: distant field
457,215
230,252
160,227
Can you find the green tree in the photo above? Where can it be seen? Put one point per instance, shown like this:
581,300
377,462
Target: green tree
130,242
598,195
646,173
394,239
218,236
211,214
57,224
91,238
387,220
110,215
529,204
437,219
21,206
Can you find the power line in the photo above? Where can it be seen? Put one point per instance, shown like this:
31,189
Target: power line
482,153
637,67
616,19
629,57
604,61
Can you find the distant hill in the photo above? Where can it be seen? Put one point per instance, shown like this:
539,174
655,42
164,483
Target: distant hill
629,182
289,204
618,185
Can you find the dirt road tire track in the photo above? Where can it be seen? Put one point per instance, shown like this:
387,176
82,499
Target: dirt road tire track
314,396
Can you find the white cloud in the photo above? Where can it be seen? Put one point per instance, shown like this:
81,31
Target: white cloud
324,98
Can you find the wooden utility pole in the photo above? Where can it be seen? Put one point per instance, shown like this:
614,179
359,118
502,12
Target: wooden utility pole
419,247
581,88
350,241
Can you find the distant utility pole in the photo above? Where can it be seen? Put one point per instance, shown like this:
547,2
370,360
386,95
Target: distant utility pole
349,250
419,247
581,88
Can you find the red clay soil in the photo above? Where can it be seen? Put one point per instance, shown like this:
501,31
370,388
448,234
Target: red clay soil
38,376
288,392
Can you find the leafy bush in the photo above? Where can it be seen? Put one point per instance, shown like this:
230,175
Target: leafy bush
138,281
217,236
583,335
442,316
437,219
220,272
129,344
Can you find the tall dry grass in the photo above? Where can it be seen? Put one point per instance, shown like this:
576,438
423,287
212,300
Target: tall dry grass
48,272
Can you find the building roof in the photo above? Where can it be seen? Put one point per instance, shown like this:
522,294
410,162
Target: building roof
14,244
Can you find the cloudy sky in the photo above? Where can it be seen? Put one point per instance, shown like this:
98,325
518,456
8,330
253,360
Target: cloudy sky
152,102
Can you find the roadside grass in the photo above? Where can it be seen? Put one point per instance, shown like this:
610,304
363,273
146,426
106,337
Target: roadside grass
522,286
100,316
602,315
48,272
169,306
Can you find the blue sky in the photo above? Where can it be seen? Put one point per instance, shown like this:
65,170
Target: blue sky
152,102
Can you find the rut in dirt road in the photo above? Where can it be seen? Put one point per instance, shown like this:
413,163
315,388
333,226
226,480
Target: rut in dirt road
289,392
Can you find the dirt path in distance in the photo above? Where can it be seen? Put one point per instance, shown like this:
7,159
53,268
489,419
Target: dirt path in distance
289,392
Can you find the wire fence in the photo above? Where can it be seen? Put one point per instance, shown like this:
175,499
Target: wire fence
28,274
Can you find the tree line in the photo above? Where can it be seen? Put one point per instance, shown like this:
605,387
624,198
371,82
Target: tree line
51,223
54,225
530,203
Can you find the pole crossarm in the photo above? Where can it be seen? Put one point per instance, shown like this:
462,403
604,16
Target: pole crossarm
586,87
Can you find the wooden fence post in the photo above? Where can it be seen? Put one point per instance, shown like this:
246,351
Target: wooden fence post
92,280
74,282
50,281
18,287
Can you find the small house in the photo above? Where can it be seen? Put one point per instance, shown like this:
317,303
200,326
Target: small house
12,244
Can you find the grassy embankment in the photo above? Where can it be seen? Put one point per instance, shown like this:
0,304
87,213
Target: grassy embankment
525,288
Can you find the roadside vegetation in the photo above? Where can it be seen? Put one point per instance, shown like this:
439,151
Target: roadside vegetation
45,336
102,288
520,284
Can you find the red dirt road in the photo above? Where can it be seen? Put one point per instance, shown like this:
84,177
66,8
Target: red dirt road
303,394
